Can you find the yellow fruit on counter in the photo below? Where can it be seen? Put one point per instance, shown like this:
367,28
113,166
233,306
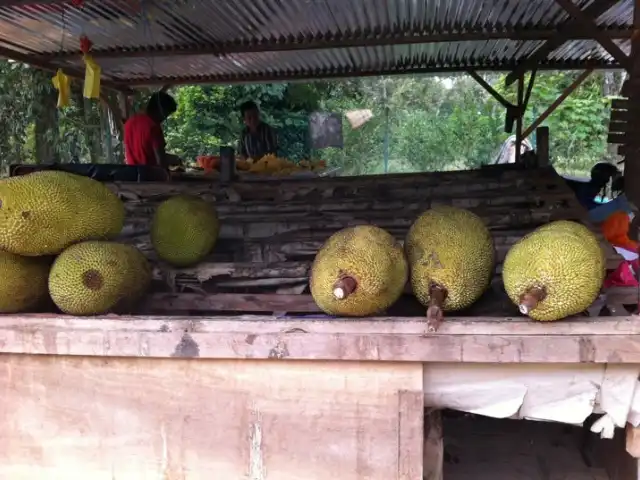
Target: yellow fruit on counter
452,259
359,271
96,277
184,230
23,282
42,213
555,271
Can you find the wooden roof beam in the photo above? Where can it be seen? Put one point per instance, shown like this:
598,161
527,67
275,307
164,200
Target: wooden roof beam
565,32
481,81
588,23
317,75
561,98
71,72
149,51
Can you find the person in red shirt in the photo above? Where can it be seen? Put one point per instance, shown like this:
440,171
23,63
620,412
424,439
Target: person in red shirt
143,137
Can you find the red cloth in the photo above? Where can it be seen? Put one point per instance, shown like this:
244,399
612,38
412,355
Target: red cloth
142,135
624,275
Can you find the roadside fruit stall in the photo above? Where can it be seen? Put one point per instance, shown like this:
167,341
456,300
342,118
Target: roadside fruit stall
298,328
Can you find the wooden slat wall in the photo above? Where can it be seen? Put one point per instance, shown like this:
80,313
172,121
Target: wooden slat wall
271,231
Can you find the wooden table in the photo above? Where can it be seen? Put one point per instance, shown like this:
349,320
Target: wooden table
267,398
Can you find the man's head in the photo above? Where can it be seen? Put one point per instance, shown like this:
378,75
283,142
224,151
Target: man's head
250,115
160,106
602,172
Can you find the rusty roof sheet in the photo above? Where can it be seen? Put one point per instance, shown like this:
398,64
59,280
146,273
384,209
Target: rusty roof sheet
141,42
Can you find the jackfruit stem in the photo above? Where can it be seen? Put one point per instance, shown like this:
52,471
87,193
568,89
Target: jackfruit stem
344,287
530,299
437,296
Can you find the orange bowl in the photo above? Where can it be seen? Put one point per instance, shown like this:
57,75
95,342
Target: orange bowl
208,162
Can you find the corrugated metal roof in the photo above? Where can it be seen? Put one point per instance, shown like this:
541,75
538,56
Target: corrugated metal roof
162,41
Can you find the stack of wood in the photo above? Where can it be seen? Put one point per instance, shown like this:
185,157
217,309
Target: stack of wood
271,231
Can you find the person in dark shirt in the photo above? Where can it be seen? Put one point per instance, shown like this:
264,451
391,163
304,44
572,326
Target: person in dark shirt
258,138
601,173
144,142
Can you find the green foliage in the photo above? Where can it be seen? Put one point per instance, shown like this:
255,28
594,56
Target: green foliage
419,123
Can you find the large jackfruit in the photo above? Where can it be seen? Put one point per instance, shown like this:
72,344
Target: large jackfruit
92,278
555,271
359,271
184,230
452,259
42,213
23,282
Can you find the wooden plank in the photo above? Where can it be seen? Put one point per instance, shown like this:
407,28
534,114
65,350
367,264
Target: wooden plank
141,418
433,446
542,146
623,127
623,138
625,115
622,104
298,342
265,324
171,302
411,427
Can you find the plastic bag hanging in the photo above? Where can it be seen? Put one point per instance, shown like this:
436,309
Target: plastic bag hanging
61,82
92,70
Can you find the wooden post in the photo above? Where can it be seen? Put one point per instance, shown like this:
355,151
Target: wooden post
433,445
632,149
125,106
519,118
542,146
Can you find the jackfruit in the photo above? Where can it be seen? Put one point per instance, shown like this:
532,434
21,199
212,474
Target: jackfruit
23,282
184,230
97,277
452,259
555,271
359,271
42,213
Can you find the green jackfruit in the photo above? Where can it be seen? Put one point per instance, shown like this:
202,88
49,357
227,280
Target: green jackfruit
42,213
23,282
359,271
184,230
451,257
96,277
555,271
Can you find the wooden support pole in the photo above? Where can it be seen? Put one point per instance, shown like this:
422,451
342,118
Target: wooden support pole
124,106
588,23
433,446
568,91
527,96
597,8
519,118
542,146
481,81
632,150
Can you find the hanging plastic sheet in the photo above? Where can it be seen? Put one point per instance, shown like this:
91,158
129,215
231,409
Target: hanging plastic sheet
325,130
62,83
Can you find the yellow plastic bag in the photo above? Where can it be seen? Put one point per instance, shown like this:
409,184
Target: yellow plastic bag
63,85
91,78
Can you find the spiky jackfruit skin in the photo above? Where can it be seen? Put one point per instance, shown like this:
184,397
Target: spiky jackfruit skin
453,248
23,282
563,257
42,213
184,230
372,257
93,278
